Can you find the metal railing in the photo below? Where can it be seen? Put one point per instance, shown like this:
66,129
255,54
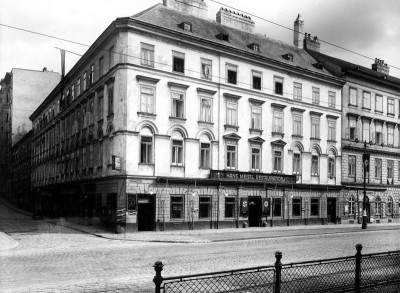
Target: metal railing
379,272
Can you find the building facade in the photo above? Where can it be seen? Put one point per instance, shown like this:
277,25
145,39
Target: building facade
370,125
173,121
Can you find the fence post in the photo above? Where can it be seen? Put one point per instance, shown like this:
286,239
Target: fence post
278,271
357,284
158,279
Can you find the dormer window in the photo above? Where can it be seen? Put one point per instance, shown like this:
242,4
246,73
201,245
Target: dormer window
223,37
288,57
255,47
186,26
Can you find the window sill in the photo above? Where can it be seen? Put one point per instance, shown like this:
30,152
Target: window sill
314,138
256,130
205,122
332,141
146,115
205,168
352,105
315,176
177,119
178,72
390,114
377,111
278,133
178,166
367,109
297,136
227,126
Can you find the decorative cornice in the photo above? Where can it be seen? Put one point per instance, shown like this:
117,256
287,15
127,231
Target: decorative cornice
331,116
294,109
231,96
175,84
281,106
207,91
255,101
316,113
146,78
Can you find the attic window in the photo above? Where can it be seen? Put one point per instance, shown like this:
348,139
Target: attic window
223,37
255,47
186,26
288,57
318,65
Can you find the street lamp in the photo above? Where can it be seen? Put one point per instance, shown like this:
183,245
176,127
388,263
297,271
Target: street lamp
366,158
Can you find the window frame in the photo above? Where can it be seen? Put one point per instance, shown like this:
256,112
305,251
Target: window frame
296,207
278,120
315,95
353,97
278,160
314,207
206,111
331,130
147,99
178,103
148,148
147,55
297,88
378,169
232,110
230,205
206,203
366,100
256,118
390,169
296,163
331,99
231,73
180,202
178,62
256,75
315,127
352,164
390,106
205,155
204,64
177,152
231,155
255,158
379,103
278,85
315,161
297,119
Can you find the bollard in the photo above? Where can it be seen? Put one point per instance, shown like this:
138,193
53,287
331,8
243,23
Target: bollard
158,279
357,283
278,271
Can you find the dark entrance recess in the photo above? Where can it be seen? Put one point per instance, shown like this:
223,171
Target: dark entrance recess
331,210
255,211
146,213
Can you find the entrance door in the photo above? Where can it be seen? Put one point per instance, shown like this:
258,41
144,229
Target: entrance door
146,213
255,211
331,210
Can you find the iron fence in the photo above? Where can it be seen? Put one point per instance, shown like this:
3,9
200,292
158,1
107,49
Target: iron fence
379,272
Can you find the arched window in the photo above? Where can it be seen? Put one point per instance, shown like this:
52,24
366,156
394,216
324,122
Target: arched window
331,164
389,205
352,205
314,162
146,146
378,205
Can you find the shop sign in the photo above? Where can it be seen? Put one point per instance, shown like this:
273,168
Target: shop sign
249,176
116,163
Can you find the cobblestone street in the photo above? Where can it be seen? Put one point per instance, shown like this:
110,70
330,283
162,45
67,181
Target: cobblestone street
57,257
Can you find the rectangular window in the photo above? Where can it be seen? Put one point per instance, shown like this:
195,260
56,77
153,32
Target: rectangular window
353,97
278,85
205,157
352,166
255,159
206,69
147,99
231,157
331,130
278,120
297,91
73,92
78,87
314,165
331,100
101,66
277,161
390,106
231,73
231,113
315,127
178,105
378,169
390,168
255,117
205,109
100,105
352,129
390,135
91,76
110,92
84,81
277,207
366,100
297,125
204,206
177,152
178,60
378,103
177,207
331,167
296,207
146,150
230,207
147,55
366,131
314,212
315,95
296,163
256,80
378,133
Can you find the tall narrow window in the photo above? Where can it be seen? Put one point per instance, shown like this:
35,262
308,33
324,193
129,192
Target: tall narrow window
178,60
297,91
366,130
390,168
205,157
231,74
255,117
147,99
206,69
84,81
352,129
231,156
78,87
277,207
378,206
278,120
91,76
331,165
73,93
146,150
390,106
315,127
204,206
352,166
110,92
296,162
314,163
314,212
177,152
352,205
278,161
297,124
278,85
101,66
255,159
205,109
378,133
390,134
111,57
256,81
177,207
231,113
378,103
315,95
100,105
389,205
178,100
366,100
378,169
331,100
230,207
353,96
296,207
331,130
147,55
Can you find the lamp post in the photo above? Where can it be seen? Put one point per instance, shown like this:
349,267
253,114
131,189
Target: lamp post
366,158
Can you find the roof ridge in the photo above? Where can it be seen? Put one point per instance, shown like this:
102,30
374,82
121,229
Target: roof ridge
146,10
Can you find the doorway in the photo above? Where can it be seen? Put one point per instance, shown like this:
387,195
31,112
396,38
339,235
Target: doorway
255,211
146,213
331,210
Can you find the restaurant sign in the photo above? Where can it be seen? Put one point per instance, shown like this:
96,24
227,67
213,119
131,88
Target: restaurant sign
252,176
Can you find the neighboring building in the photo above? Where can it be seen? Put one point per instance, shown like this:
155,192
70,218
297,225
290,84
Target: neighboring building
22,91
174,121
370,123
20,179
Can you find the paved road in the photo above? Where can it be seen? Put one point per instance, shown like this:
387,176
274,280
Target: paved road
55,258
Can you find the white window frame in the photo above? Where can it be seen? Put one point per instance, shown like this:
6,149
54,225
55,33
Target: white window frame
206,68
331,99
147,55
378,103
148,149
231,112
366,100
353,96
331,130
315,96
205,155
278,80
277,160
390,106
315,127
177,154
180,56
255,157
278,120
178,100
297,91
147,99
231,155
256,117
206,109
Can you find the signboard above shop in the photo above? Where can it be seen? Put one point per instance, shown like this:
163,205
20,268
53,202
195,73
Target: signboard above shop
252,176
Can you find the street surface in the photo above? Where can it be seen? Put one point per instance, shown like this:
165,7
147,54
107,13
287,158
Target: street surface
59,257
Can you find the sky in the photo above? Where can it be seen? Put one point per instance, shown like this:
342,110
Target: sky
368,27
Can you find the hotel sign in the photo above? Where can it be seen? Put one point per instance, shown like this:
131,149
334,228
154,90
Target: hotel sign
250,176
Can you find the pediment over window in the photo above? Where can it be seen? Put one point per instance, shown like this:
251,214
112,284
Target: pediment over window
232,136
278,142
256,139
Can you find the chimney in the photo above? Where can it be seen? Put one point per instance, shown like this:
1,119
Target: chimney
197,8
44,69
312,44
235,20
380,66
298,32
